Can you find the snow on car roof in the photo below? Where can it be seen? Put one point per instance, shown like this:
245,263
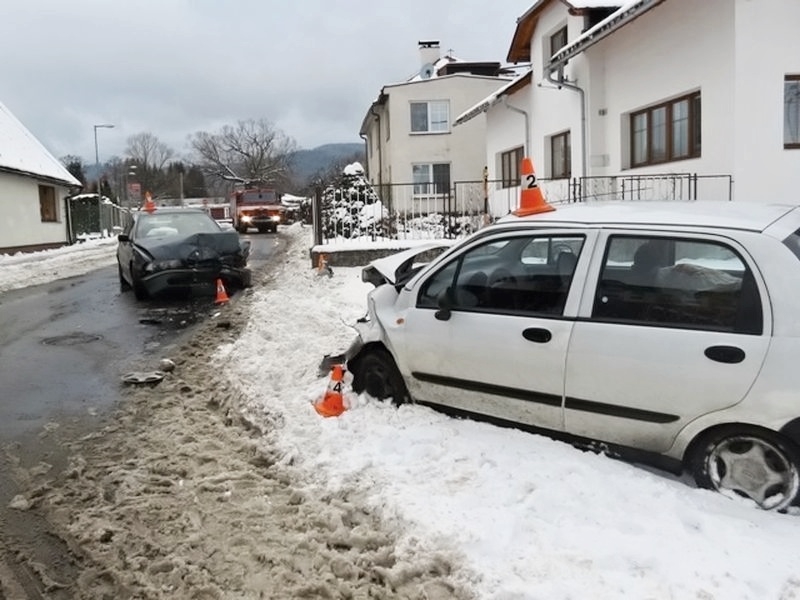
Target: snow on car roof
749,216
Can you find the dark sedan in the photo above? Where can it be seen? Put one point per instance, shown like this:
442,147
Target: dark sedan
179,250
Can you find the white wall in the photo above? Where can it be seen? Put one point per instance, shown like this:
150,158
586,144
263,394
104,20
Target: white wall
553,111
767,48
735,52
464,146
505,130
663,55
21,223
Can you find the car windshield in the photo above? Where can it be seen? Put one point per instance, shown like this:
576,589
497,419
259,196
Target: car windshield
178,223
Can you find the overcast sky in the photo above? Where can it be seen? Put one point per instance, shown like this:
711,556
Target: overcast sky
175,67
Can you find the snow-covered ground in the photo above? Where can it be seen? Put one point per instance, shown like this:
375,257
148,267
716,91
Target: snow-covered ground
521,516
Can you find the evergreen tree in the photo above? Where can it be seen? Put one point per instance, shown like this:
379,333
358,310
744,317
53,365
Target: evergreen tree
352,209
74,164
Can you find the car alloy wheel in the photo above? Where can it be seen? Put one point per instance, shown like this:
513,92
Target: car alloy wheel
376,374
755,464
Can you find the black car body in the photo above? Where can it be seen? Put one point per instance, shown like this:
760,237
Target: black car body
180,250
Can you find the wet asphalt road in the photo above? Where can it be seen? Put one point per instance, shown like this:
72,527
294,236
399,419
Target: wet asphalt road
64,347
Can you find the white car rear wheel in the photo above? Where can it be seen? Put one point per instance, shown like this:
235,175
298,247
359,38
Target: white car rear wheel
752,463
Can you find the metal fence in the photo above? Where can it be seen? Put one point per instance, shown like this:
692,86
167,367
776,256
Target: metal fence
89,216
432,211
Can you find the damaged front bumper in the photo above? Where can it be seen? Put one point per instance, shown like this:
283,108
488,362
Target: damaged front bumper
329,360
198,281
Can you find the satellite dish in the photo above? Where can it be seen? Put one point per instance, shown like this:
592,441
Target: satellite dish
426,72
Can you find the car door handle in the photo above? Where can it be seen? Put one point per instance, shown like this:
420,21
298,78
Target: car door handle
537,334
725,354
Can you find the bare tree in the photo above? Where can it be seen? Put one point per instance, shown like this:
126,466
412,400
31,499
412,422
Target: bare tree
252,151
146,149
151,157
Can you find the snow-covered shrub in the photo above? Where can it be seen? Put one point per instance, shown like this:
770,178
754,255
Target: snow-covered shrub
351,208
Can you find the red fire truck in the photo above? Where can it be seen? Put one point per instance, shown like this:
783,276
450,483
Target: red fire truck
257,208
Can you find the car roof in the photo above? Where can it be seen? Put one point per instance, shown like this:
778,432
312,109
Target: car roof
748,216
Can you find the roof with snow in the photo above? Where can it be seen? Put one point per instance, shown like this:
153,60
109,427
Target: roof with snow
520,50
512,86
22,153
622,16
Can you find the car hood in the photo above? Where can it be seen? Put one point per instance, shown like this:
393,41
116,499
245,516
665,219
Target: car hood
223,243
398,268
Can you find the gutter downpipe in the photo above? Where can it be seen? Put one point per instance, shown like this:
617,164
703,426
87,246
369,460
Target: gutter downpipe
380,146
574,88
527,125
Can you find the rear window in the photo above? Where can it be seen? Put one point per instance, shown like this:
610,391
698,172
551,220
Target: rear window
672,282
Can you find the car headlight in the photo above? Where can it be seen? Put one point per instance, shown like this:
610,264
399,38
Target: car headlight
246,218
163,265
276,218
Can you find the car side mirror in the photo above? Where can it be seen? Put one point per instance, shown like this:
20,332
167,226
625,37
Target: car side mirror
445,303
123,237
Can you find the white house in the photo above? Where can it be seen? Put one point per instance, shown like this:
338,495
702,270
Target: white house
33,186
410,140
698,98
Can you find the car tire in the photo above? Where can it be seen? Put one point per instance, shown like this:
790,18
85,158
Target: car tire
377,374
247,278
751,462
124,286
139,290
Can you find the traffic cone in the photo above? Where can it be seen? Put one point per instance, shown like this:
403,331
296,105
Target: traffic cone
322,266
149,205
531,200
332,403
222,295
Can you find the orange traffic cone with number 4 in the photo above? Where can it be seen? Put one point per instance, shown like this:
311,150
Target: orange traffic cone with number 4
332,403
531,200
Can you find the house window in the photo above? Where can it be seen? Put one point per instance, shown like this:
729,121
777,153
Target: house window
560,156
430,117
791,111
557,41
666,132
47,203
509,167
431,179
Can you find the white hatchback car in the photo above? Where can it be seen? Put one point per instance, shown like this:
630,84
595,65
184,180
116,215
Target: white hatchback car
663,332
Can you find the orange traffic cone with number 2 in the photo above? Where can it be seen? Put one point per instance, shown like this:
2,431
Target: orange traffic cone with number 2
332,403
531,200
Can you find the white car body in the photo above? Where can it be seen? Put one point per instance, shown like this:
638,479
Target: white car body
697,358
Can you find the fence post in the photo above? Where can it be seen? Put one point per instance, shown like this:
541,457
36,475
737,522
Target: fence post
316,211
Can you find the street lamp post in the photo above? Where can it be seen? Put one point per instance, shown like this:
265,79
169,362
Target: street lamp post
97,154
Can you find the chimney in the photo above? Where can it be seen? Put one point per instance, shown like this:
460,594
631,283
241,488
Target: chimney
428,51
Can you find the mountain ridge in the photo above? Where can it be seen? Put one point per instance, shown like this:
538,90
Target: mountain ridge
313,162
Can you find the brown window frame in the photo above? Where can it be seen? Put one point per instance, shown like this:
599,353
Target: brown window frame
671,117
48,209
563,170
509,167
558,40
786,113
